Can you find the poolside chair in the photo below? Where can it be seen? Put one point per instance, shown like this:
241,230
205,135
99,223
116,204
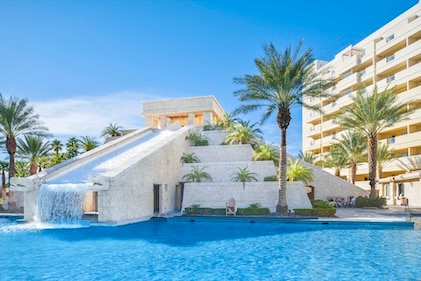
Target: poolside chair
231,207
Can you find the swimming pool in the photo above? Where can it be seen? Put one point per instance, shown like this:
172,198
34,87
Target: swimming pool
180,249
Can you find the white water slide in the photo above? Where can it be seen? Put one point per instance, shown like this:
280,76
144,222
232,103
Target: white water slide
62,188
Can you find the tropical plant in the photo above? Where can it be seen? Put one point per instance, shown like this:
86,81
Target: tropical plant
308,157
56,146
72,147
244,175
284,81
226,121
244,133
353,147
189,158
112,130
197,138
335,160
266,151
297,172
4,166
22,169
197,174
370,114
16,119
32,149
384,156
88,143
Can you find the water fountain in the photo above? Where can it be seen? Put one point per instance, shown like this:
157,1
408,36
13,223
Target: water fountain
60,203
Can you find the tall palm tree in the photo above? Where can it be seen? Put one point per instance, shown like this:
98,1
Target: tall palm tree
17,118
370,114
297,172
32,149
266,151
72,147
4,166
243,175
384,155
57,146
284,81
243,132
353,147
88,143
112,130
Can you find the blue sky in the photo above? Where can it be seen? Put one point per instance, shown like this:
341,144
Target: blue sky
85,64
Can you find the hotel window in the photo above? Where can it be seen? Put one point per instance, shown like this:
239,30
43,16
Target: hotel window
390,58
347,92
362,72
390,78
390,37
401,189
391,140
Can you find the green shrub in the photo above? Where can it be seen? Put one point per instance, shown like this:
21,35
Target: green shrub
271,178
370,202
256,205
316,203
253,211
318,212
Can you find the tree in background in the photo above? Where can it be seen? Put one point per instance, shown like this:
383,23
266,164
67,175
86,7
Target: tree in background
244,175
72,147
284,81
4,166
88,143
370,114
56,146
308,157
112,130
384,156
297,172
335,160
32,149
266,151
244,133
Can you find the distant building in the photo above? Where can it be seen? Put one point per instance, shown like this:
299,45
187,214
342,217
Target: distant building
389,57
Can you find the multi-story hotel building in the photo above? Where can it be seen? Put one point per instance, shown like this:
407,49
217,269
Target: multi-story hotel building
389,57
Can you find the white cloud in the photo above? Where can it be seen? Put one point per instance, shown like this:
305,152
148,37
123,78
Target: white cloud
89,115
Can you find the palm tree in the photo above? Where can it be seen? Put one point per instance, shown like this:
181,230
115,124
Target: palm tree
189,158
197,138
243,132
284,81
112,130
308,157
72,147
17,118
297,172
370,114
266,151
57,146
353,147
197,174
335,160
4,166
243,175
227,121
412,163
384,155
88,143
22,169
31,149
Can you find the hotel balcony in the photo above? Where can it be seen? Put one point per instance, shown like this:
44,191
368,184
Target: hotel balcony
348,81
410,95
398,36
348,62
329,125
400,77
399,57
402,141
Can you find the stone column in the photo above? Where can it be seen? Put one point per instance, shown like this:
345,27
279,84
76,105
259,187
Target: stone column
191,118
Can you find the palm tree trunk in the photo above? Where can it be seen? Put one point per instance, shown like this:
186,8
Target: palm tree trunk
282,207
11,149
372,161
353,172
33,168
338,172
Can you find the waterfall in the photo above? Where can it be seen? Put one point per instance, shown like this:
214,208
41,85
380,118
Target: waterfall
61,203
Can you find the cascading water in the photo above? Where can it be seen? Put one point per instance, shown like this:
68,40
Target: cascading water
61,203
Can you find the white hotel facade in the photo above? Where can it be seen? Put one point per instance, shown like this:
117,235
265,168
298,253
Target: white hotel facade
389,57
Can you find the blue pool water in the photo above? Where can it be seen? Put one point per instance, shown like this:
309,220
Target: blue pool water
202,250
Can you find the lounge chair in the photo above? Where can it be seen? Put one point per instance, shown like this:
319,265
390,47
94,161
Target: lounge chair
231,207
